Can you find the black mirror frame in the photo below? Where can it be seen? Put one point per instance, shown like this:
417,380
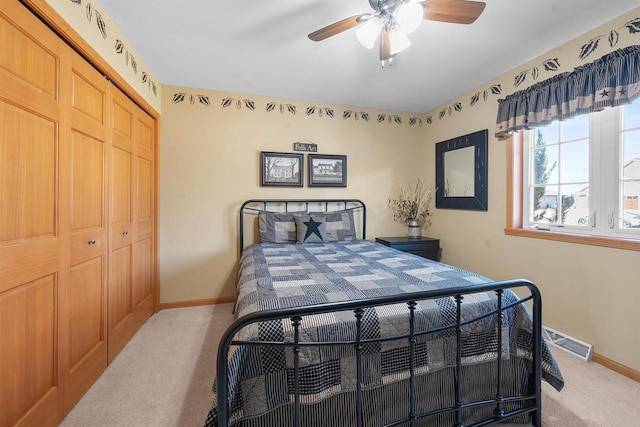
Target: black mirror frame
479,201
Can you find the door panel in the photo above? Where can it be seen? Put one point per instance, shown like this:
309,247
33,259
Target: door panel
145,230
121,181
31,259
24,56
144,190
145,214
122,123
145,135
144,270
88,96
132,264
122,233
120,285
87,182
86,298
121,319
28,324
28,147
86,313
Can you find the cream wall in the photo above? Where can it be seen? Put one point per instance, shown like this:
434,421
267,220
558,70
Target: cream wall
591,293
209,165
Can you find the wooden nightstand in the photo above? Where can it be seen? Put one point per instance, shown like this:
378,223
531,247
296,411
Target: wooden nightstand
426,247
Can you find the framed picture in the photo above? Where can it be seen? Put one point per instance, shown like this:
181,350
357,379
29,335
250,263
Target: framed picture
326,170
281,169
461,172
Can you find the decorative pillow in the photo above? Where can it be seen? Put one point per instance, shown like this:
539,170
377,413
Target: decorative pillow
277,227
340,225
311,229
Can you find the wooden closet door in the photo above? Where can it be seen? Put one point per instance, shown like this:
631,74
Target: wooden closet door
144,155
32,222
132,220
121,257
87,298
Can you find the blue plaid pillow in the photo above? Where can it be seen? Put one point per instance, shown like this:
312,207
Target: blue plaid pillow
277,227
340,225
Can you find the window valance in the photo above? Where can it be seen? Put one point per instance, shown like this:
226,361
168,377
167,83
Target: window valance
612,80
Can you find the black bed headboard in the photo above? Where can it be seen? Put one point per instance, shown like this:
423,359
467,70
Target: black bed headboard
255,206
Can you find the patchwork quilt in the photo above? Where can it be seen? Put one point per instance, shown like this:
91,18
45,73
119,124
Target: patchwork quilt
274,276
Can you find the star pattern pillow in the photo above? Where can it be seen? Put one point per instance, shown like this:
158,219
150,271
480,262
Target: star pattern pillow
311,229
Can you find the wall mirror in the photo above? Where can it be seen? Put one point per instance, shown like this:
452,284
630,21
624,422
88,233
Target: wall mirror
461,172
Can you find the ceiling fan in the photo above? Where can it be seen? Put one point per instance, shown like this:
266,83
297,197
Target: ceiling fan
394,19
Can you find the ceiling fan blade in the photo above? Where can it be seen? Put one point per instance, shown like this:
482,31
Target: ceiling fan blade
453,11
335,28
385,45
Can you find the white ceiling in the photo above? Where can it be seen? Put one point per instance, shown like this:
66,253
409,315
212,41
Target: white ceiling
261,47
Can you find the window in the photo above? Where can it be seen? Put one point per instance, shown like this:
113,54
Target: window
582,176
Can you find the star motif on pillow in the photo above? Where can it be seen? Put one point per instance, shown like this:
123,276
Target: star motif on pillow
312,228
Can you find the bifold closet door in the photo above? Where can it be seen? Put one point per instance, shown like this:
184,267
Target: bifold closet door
131,237
87,297
32,222
144,267
77,221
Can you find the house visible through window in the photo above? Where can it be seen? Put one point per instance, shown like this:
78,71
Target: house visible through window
582,176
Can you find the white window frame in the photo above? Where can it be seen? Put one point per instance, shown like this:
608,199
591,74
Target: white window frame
605,181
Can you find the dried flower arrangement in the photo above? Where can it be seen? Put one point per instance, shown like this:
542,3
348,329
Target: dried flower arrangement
413,203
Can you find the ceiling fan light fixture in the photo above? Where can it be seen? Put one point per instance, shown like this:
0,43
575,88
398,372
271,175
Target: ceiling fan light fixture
409,16
392,20
398,41
368,31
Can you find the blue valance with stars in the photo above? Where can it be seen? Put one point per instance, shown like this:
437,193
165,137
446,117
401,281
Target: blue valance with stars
612,80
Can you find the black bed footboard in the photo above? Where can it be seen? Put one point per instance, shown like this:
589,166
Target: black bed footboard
410,369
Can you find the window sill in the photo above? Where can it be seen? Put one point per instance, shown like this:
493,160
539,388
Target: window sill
607,242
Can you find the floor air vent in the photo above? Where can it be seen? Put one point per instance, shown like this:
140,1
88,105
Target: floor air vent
564,342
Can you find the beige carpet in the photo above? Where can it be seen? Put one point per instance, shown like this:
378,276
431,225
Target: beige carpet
163,377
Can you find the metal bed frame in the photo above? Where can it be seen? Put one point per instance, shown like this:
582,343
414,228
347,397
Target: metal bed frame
531,401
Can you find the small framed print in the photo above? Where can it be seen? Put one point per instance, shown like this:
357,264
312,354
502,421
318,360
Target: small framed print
326,170
281,169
